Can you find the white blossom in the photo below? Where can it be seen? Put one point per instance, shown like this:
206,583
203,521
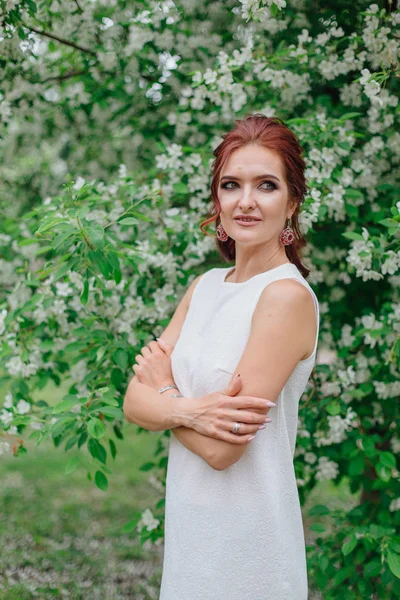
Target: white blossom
326,469
4,447
23,407
147,520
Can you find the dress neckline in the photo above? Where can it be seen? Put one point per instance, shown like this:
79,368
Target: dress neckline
225,272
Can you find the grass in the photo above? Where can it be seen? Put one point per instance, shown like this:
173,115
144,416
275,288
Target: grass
60,536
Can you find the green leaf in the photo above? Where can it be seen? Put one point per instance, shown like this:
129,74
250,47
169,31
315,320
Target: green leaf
64,406
373,568
71,442
273,10
388,460
96,428
61,271
85,292
120,357
75,346
99,260
100,353
353,194
180,188
61,238
349,545
323,562
319,527
395,545
113,448
130,525
101,480
357,464
350,115
344,145
394,563
28,241
113,259
95,233
97,450
369,446
49,224
343,574
147,466
319,509
333,408
383,472
72,464
118,432
140,216
112,411
388,223
117,377
352,235
61,425
110,400
36,435
128,221
83,211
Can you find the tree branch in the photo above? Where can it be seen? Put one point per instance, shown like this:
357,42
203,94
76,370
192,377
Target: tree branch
63,77
61,40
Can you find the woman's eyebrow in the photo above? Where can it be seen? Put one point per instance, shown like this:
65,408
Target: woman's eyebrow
255,178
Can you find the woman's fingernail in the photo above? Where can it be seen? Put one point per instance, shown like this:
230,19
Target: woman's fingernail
252,437
236,376
262,427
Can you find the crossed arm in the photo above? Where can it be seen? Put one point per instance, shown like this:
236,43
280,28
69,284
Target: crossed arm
208,448
280,333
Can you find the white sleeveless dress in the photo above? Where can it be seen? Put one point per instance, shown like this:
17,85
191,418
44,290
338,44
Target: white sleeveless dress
235,534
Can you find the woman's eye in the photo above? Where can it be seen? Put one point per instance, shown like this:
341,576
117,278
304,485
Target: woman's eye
224,185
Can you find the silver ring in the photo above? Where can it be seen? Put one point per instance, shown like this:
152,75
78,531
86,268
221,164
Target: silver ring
236,427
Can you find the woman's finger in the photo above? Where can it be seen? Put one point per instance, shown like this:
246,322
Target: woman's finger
233,438
245,428
153,346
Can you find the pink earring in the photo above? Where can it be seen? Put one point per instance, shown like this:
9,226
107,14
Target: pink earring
287,236
221,233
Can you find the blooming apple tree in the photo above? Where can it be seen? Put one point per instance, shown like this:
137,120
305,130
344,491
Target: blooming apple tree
110,117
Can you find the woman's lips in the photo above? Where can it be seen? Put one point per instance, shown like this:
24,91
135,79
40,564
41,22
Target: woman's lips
247,223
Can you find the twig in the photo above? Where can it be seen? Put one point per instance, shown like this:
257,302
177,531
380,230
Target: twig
63,77
61,40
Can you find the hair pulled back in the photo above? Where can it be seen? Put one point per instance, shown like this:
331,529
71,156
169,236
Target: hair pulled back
270,133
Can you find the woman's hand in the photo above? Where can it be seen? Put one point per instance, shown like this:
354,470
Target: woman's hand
153,366
215,414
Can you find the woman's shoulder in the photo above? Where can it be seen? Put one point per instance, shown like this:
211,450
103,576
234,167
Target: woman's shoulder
196,281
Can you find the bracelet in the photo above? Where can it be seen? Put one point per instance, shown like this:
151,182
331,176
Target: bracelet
167,387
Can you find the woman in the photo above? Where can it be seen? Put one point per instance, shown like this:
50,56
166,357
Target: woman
233,525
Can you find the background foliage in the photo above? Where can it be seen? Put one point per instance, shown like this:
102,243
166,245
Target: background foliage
110,112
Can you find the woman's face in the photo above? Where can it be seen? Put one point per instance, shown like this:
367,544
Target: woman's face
252,183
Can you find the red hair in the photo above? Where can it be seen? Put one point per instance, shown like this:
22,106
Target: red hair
273,134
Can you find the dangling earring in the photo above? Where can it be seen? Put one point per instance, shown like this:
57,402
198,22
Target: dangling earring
287,235
221,233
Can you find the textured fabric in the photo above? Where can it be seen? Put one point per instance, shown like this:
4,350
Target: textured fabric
235,534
